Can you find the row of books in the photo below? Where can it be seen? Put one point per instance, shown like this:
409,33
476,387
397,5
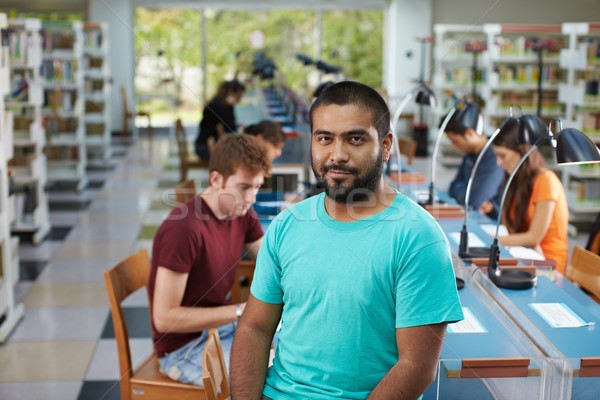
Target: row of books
464,75
526,99
59,70
52,40
527,73
523,45
64,100
93,39
19,43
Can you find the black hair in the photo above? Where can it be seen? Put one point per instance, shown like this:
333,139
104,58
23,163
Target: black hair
355,93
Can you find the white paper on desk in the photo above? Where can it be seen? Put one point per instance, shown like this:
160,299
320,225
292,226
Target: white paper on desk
490,229
421,194
473,239
558,315
468,325
273,203
525,253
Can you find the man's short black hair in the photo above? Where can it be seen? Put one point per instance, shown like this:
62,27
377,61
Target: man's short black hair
363,96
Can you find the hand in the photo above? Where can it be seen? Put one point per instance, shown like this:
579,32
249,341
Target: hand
486,207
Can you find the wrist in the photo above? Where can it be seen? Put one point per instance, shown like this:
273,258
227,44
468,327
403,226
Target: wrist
238,311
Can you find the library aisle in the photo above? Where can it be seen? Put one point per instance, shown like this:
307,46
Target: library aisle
64,348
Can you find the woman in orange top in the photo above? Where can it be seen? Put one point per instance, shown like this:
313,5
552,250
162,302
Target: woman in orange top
535,209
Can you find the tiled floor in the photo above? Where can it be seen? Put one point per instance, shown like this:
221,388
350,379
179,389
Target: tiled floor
64,348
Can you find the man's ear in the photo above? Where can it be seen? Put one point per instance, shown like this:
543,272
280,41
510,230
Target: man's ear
470,133
386,145
215,180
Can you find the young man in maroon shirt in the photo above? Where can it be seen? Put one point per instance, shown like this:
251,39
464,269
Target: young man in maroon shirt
195,254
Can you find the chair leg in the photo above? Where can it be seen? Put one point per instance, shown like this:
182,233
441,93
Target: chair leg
124,126
182,173
150,133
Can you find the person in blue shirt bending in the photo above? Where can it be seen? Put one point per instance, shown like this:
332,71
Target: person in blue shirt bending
360,276
464,130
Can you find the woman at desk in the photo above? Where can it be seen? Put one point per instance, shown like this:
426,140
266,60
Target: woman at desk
218,117
535,209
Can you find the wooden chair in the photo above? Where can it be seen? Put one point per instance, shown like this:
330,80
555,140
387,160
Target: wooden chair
185,191
408,148
130,115
185,163
584,271
214,377
244,273
145,381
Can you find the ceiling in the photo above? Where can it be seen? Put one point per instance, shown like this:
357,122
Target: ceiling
81,5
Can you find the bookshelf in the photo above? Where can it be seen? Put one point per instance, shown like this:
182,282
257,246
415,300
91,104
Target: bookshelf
28,164
456,68
10,311
97,93
513,70
63,105
581,97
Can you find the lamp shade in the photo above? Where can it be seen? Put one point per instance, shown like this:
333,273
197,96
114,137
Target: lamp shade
531,128
468,114
573,147
425,96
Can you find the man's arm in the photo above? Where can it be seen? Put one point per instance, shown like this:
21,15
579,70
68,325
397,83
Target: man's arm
250,350
419,349
458,186
169,316
252,248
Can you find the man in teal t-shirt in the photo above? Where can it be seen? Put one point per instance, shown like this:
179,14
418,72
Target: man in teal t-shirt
360,277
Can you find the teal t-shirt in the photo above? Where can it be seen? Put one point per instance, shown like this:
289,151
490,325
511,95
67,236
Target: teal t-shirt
345,288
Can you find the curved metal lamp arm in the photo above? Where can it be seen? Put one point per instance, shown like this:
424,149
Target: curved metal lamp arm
395,148
402,105
436,148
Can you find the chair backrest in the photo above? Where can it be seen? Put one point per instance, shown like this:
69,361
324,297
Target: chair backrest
121,280
408,148
181,140
243,274
214,377
584,270
185,191
124,101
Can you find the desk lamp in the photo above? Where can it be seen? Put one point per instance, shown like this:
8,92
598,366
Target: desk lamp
465,113
572,147
531,127
423,96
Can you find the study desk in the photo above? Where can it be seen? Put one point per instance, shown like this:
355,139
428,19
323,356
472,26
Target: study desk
492,358
568,346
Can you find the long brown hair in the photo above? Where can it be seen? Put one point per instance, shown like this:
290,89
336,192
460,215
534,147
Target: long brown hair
521,187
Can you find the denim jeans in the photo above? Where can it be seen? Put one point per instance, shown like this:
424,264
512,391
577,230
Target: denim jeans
185,363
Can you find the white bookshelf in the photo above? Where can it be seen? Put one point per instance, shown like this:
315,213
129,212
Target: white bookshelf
580,95
453,71
64,104
9,263
28,164
512,71
97,92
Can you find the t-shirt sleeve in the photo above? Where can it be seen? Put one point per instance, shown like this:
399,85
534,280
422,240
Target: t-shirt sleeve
266,283
546,187
254,229
178,246
426,288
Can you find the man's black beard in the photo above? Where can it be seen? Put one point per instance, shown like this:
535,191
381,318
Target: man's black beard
361,188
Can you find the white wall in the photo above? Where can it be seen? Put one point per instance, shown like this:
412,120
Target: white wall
405,20
119,15
515,11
